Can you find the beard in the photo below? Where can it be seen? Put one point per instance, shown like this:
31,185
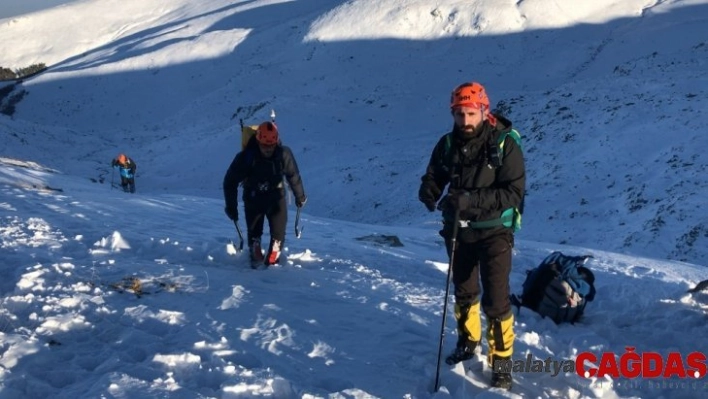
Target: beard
470,131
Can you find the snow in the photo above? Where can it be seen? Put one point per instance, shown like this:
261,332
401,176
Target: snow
107,294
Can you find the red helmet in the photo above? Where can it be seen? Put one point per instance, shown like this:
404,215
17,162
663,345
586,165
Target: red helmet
122,159
469,95
267,134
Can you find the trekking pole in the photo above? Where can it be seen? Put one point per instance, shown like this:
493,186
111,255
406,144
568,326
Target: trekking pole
112,176
240,236
298,230
453,247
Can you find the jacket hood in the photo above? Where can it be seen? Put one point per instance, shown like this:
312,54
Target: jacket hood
503,124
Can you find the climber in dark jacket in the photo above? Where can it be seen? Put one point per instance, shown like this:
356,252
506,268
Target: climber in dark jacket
261,167
481,164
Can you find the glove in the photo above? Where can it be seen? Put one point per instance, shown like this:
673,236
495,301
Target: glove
427,195
300,202
231,212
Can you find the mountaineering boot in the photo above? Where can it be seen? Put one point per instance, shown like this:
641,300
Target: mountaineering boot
469,332
273,253
500,336
464,351
501,372
254,249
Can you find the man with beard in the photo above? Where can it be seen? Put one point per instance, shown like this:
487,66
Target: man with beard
481,164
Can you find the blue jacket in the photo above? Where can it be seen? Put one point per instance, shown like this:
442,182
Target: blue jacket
127,169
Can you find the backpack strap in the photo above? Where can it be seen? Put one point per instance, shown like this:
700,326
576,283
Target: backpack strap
588,276
446,156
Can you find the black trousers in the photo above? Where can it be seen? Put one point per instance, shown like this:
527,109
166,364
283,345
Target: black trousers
274,209
487,260
128,184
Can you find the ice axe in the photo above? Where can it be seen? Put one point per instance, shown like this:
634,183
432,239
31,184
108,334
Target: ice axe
298,230
240,236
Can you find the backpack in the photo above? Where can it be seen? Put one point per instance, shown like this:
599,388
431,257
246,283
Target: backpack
246,133
510,217
559,288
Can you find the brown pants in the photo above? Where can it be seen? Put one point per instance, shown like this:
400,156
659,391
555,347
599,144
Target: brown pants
488,260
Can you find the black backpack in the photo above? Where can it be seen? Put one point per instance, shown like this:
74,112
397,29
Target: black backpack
559,288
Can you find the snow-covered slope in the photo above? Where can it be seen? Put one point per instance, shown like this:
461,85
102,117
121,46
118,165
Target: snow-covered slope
610,97
110,295
134,296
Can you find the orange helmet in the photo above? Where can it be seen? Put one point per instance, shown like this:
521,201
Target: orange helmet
122,159
267,134
469,95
